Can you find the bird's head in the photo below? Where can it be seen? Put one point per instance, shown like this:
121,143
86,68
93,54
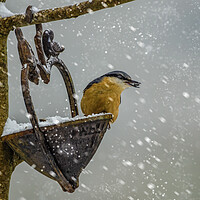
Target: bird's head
122,79
119,78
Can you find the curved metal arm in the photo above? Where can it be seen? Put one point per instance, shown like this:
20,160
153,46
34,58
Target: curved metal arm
68,83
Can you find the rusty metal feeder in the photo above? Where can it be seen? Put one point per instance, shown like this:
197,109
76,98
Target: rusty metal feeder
58,151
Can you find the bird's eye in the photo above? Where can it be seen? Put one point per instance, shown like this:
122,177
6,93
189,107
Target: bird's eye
120,76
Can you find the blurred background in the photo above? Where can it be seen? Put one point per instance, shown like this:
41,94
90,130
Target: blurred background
152,151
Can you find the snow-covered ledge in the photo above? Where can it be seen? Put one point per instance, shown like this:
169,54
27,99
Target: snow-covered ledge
12,126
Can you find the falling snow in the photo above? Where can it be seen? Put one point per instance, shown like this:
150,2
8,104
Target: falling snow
141,165
162,119
139,142
132,28
110,66
52,173
151,186
186,95
141,44
127,163
150,152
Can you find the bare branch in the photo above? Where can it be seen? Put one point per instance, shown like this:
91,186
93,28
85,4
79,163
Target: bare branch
67,12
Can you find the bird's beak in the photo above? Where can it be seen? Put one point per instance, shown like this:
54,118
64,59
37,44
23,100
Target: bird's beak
134,83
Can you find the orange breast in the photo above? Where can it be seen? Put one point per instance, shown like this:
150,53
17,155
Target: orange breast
101,99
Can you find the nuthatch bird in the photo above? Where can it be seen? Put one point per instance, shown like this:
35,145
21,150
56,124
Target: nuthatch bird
103,94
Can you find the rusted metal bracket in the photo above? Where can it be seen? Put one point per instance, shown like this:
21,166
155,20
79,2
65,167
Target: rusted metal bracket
59,151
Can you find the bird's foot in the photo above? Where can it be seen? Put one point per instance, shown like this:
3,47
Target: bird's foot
109,127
